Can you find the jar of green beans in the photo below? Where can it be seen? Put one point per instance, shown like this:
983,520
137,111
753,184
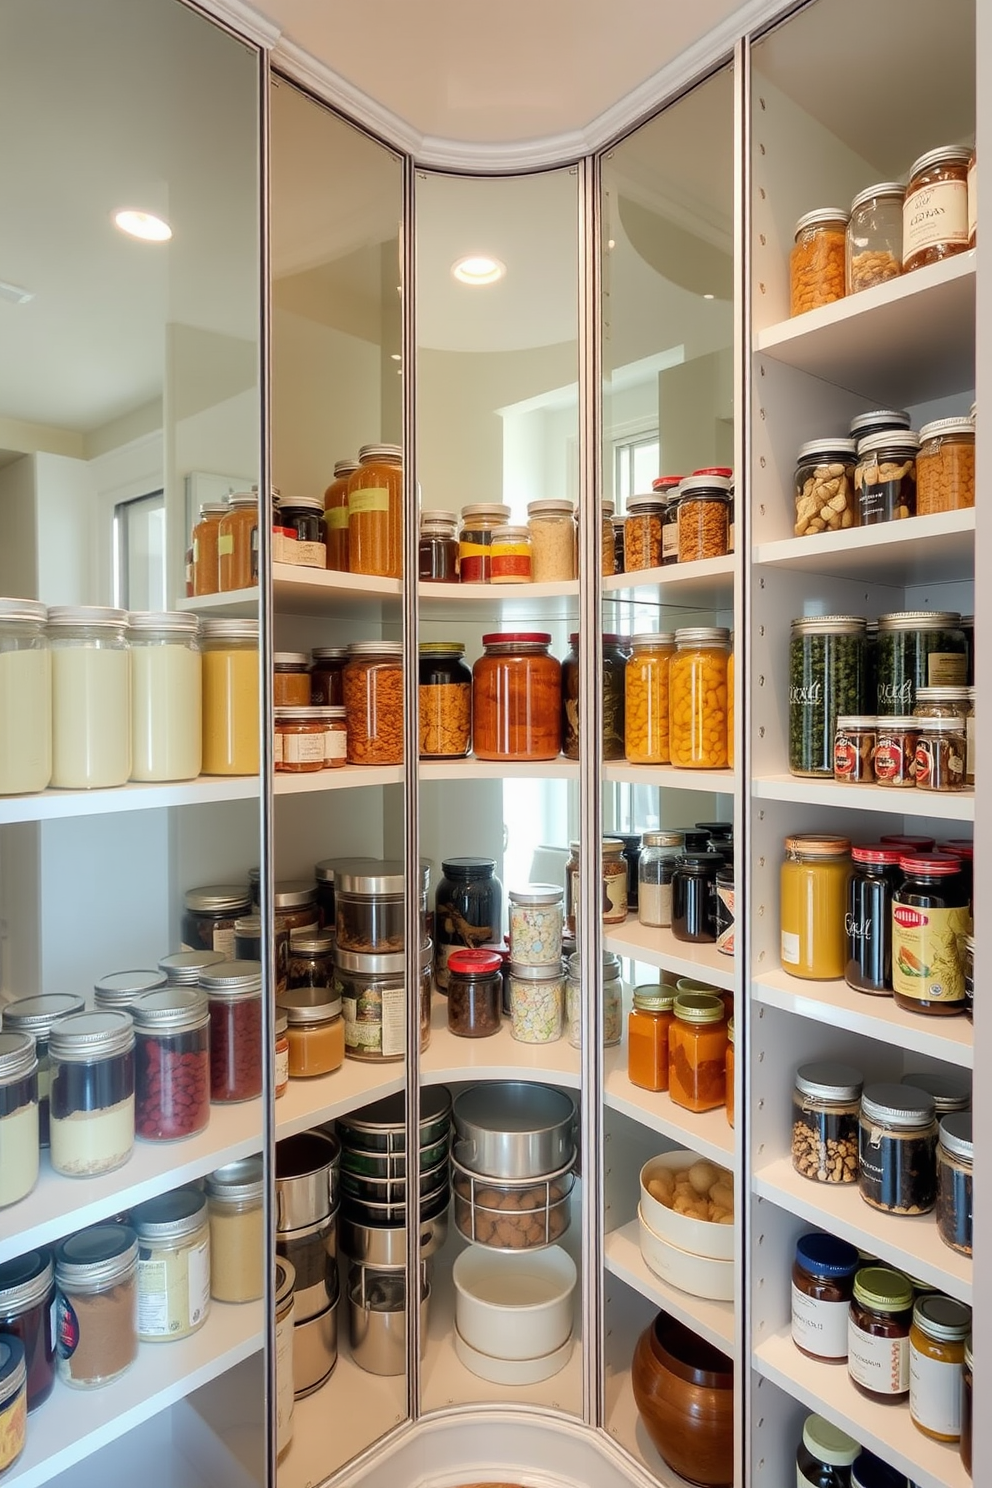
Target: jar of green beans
826,679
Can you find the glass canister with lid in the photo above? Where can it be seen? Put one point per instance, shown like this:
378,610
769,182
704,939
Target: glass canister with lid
475,540
897,1149
614,870
369,905
25,698
173,1264
878,1333
822,1287
955,1181
237,542
814,891
918,648
315,1030
874,236
475,993
373,992
172,1058
941,1326
824,1456
929,917
437,550
234,997
301,519
509,555
945,466
537,1002
373,701
613,993
210,913
552,540
231,718
826,680
885,477
536,922
97,1305
826,1103
697,1044
375,512
935,207
445,700
698,698
336,516
311,961
824,486
642,533
516,698
655,868
19,1148
119,989
27,1298
816,263
36,1016
648,1028
92,1093
704,517
327,676
468,910
237,1231
206,549
91,697
646,715
612,675
694,896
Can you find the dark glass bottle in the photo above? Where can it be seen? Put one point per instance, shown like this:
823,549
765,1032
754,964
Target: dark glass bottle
468,911
694,896
929,915
868,921
613,674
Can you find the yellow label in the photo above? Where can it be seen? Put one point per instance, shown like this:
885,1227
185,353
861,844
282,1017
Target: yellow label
336,518
926,962
947,669
371,499
225,544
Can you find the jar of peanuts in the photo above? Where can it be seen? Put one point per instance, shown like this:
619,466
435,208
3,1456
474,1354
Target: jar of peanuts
373,701
646,719
874,236
816,264
642,532
704,516
885,477
824,486
935,208
698,698
945,466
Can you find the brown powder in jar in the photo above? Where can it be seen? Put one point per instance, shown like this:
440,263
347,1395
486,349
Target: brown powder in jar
106,1332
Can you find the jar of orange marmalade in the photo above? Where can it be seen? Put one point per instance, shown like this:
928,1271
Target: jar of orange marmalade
697,1044
375,512
336,515
237,542
648,1027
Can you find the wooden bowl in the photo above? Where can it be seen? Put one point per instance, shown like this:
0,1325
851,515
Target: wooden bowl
684,1391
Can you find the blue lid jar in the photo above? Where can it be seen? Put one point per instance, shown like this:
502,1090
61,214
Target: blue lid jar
869,1471
822,1287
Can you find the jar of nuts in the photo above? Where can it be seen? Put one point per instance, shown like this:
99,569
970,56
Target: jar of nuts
816,264
874,236
704,517
885,477
826,1104
642,532
824,485
945,466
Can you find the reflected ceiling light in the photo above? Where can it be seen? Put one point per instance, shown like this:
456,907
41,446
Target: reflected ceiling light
478,268
15,293
395,356
143,225
709,297
612,243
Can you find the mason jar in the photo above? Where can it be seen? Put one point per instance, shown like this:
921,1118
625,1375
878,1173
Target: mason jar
92,1093
826,680
234,997
91,697
19,1147
656,866
25,698
874,236
231,718
917,648
37,1016
552,540
173,1264
612,674
373,701
235,1202
698,698
172,1055
814,891
824,486
935,207
444,693
816,263
885,477
613,995
209,918
375,512
166,696
945,466
646,717
96,1320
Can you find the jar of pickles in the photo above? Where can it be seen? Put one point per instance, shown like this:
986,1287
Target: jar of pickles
516,698
373,702
945,466
646,715
824,486
375,512
336,516
825,1106
814,881
698,698
816,263
612,674
697,1041
826,680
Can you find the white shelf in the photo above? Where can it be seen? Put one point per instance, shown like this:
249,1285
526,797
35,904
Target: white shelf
308,1103
896,344
52,805
346,777
236,604
709,1133
476,769
911,1243
350,1411
918,550
320,591
886,1430
72,1424
954,806
658,947
717,782
705,584
59,1206
838,1005
713,1321
499,1057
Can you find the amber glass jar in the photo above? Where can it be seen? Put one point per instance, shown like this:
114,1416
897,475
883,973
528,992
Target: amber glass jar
646,699
326,676
697,1042
936,1365
878,1333
822,1288
373,701
516,698
375,512
816,264
731,1070
648,1025
206,553
336,515
237,542
698,698
935,209
814,880
291,679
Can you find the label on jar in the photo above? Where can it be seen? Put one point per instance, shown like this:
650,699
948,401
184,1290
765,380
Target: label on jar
654,904
375,1022
926,961
614,898
225,544
281,1072
302,749
819,1327
852,755
879,1364
310,555
277,756
223,941
972,199
935,1394
934,215
947,669
369,499
895,757
336,518
969,754
669,541
474,561
284,545
66,1327
790,948
726,909
893,698
335,745
153,1299
198,1268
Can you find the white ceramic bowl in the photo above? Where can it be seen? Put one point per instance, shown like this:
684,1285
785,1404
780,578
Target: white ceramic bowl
512,1371
700,1275
514,1305
696,1235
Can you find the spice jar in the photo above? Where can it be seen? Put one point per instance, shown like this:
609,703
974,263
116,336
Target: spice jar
936,1365
929,914
855,738
210,913
92,1092
509,555
335,526
614,879
536,925
648,1025
941,749
291,679
237,1231
97,1305
516,698
704,517
897,1149
468,910
373,701
315,1030
656,865
694,896
825,1107
885,477
375,512
230,697
646,698
612,691
816,263
19,1158
172,1064
878,1333
437,550
327,676
918,648
698,683
369,905
814,882
935,210
945,466
825,1455
234,996
27,1297
173,1264
955,1155
373,990
642,533
552,541
826,681
697,1043
537,1002
36,1016
868,919
613,993
824,486
25,695
206,549
91,697
445,701
874,236
894,762
475,540
822,1287
475,993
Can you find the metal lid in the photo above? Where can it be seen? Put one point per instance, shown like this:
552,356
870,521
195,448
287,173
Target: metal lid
828,625
237,1182
712,487
442,648
882,189
611,966
901,1106
829,1080
552,972
942,1318
820,217
389,649
938,427
943,154
170,1216
463,868
667,482
391,965
174,1010
152,620
13,1369
698,1007
281,1022
703,635
827,1443
951,1091
517,638
883,1290
305,1006
182,968
889,723
953,725
36,1015
919,620
25,1281
613,847
30,610
818,845
214,508
537,893
731,1031
654,997
301,503
876,852
511,1106
507,532
218,898
880,418
96,1256
474,963
321,944
652,640
285,1283
100,616
344,467
942,694
18,1056
548,506
290,659
391,452
836,445
607,639
448,518
662,839
955,1135
857,720
370,876
326,870
249,498
296,893
637,505
329,653
931,865
825,1255
118,989
388,1114
232,978
903,440
82,1037
229,630
486,509
246,927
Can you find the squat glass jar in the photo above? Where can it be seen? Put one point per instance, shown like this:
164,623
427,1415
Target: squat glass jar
698,698
97,1305
918,648
468,910
475,540
874,236
885,477
311,961
172,1064
660,852
945,466
314,1030
27,1299
119,989
642,533
92,1093
445,701
18,1117
516,698
536,922
937,1338
826,680
855,738
475,993
929,917
301,518
36,1016
694,896
234,997
648,1027
375,512
814,891
897,1149
824,486
935,209
704,517
646,713
816,263
437,551
955,1181
941,751
878,1333
822,1287
327,676
25,698
173,1265
237,542
336,516
537,1003
826,1103
612,676
230,697
291,679
373,702
552,540
509,555
697,1044
209,917
91,697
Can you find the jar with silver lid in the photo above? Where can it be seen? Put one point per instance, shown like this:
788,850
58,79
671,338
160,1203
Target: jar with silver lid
172,1052
91,697
879,421
613,994
27,1297
369,905
825,1106
897,1149
18,1117
917,648
537,1003
119,989
36,1015
209,916
166,695
950,1090
874,236
97,1305
655,868
885,477
26,693
294,904
373,992
824,486
536,923
935,207
92,1093
234,997
235,1195
173,1264
182,968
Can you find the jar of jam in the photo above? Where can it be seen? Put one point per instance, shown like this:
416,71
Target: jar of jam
814,892
314,1029
27,1297
935,208
468,910
885,478
937,1338
375,512
475,993
648,1025
694,896
237,543
878,1333
967,1405
234,997
897,1148
697,1042
646,698
816,263
373,701
612,676
516,698
327,676
642,533
955,1181
37,1016
445,701
437,551
660,852
826,1103
929,915
825,1455
509,555
475,540
874,236
336,516
172,1064
822,1287
291,679
868,920
301,519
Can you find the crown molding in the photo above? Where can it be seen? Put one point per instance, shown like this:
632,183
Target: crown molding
329,86
244,19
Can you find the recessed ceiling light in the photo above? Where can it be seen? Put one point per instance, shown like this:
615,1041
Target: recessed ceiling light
143,225
709,297
478,268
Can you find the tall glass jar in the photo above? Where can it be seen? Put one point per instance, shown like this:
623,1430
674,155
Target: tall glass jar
936,1365
613,995
648,1027
25,698
92,1093
826,679
445,700
826,1102
375,512
437,550
656,865
231,718
918,648
552,540
885,477
172,1057
698,698
91,697
234,996
868,918
612,674
475,540
336,516
897,1149
166,689
237,542
97,1305
642,533
694,896
326,676
874,236
373,701
235,1195
704,517
945,466
955,1181
816,264
516,698
814,892
468,910
646,716
173,1264
19,1155
206,549
878,1333
935,208
27,1299
37,1016
697,1042
536,925
824,486
929,917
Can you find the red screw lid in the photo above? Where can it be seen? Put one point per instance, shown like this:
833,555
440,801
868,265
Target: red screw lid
508,637
876,852
931,865
474,963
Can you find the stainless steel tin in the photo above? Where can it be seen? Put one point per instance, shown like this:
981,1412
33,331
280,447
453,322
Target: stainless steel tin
386,1216
388,1164
377,1317
381,1127
315,1351
514,1129
518,1214
306,1178
393,1190
312,1251
381,1246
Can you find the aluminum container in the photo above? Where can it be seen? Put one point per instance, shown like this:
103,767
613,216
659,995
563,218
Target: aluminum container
387,1247
387,1216
315,1351
377,1317
389,1164
514,1129
306,1178
381,1127
393,1190
312,1252
522,1214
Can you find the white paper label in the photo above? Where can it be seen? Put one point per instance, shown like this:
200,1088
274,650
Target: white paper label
393,1022
819,1327
879,1364
302,749
790,949
654,904
972,200
224,942
669,539
281,1068
935,1394
335,744
153,1299
934,214
198,1266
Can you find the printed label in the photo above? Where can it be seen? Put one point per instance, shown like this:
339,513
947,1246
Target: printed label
224,942
66,1327
198,1266
947,669
808,696
895,697
335,745
935,1394
725,918
302,749
845,757
277,749
790,948
474,560
310,555
669,540
375,1022
369,499
926,962
934,214
879,1364
284,546
153,1299
819,1327
225,544
895,758
336,518
972,199
281,1068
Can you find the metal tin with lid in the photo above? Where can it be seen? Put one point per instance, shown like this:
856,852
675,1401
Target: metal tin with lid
237,1183
183,968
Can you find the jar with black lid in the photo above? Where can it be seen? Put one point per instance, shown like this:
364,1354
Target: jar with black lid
870,1471
208,921
897,1149
917,648
468,910
955,1182
694,896
311,962
36,1016
822,1287
27,1297
878,1333
96,1305
475,993
929,915
612,674
824,1456
868,921
632,855
694,839
825,1106
326,676
719,837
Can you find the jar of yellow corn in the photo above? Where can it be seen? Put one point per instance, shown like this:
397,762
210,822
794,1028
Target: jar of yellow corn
646,721
730,709
698,698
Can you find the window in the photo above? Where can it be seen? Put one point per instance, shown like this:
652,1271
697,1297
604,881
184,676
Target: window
139,553
637,462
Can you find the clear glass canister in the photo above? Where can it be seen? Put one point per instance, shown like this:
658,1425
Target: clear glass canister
917,648
826,1102
885,477
655,867
510,555
445,700
19,1148
206,549
475,540
646,698
97,1305
537,1002
937,1338
855,738
237,542
92,1093
697,1043
516,698
941,751
208,919
173,1264
824,486
375,512
612,674
868,920
814,890
475,993
536,922
369,905
373,990
698,698
166,692
648,1026
36,1016
373,702
237,1231
25,698
874,236
172,1064
897,1149
91,697
315,1030
336,516
878,1333
935,208
945,466
816,264
27,1297
311,961
231,719
642,532
614,872
234,996
826,679
552,541
955,1181
704,517
613,995
437,550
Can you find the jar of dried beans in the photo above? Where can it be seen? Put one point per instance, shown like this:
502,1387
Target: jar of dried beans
234,996
824,486
704,516
935,208
373,701
445,701
375,512
945,466
874,236
516,701
646,698
816,264
172,1064
885,477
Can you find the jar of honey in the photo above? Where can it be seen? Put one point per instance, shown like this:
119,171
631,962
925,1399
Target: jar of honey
648,1025
516,698
729,1101
336,515
237,543
375,512
697,1042
206,555
814,884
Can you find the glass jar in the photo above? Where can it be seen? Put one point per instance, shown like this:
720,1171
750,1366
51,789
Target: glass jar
826,681
941,750
280,1054
929,915
119,989
894,761
870,1471
537,1002
182,968
509,555
369,905
730,1097
300,741
646,717
294,907
878,1333
475,540
27,1298
375,512
826,1102
824,1456
824,486
967,1405
13,1401
617,525
726,912
670,530
697,1043
950,1089
336,516
516,698
614,880
311,961
327,676
172,1064
942,702
25,698
315,1029
935,210
868,920
612,689
822,1287
19,1155
237,542
231,719
897,1149
879,421
885,477
874,236
36,1016
173,1265
291,679
301,518
613,992
552,541
945,466
209,916
96,1325
468,910
918,648
632,857
642,533
437,551
816,263
166,692
694,896
855,738
445,701
955,1181
704,517
814,891
206,549
373,701
91,697
237,1231
234,996
648,1025
967,949
936,1365
698,698
373,990
92,1093
656,865
536,922
475,993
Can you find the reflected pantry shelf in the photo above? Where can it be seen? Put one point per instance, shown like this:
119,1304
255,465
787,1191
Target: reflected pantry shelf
956,806
706,584
709,1133
713,1321
499,1057
53,805
236,604
717,782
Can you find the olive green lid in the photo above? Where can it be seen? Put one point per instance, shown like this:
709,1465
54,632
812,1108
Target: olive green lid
827,1443
698,1007
883,1290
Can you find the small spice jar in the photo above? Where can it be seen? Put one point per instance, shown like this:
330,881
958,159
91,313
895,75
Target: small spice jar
13,1401
468,910
826,681
301,518
475,540
172,1064
210,913
27,1297
437,550
537,1003
855,737
897,1149
726,912
373,701
335,525
868,919
646,717
97,1305
234,997
885,477
655,868
941,749
613,994
552,540
822,1287
694,878
612,692
929,915
816,263
824,486
967,1405
935,209
475,993
327,676
698,698
824,1456
19,1146
311,960
206,554
173,1264
937,1338
373,992
91,697
642,533
237,1231
445,701
509,555
291,679
955,1156
874,236
945,466
375,512
315,1030
536,922
814,880
92,1093
36,1016
280,1054
878,1333
697,1043
231,719
825,1106
516,698
648,1026
704,517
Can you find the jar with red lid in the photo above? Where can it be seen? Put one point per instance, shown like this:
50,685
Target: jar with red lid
336,516
929,917
960,847
172,1064
613,677
667,487
868,919
516,698
234,997
935,208
475,993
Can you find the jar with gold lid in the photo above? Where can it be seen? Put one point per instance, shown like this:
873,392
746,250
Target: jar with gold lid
697,1060
878,1333
814,881
698,698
